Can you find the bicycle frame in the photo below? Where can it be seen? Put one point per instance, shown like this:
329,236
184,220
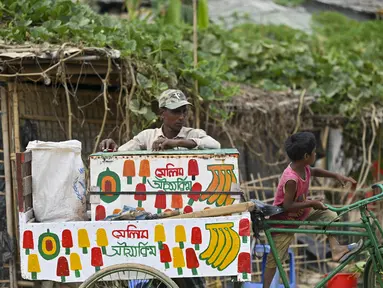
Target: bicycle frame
371,244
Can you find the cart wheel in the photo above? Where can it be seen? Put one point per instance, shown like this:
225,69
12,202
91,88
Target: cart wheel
370,277
129,276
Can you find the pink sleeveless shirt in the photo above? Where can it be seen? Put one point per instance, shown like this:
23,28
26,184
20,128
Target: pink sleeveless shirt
300,196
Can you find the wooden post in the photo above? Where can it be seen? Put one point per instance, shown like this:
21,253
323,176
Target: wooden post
195,56
14,148
8,181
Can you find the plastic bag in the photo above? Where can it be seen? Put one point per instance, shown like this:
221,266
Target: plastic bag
58,181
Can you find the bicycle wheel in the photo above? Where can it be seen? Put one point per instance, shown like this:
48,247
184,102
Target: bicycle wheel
129,276
370,279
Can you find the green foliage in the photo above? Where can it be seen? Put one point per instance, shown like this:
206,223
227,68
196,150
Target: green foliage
340,62
290,3
160,53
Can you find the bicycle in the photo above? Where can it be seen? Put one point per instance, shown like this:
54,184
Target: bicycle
369,224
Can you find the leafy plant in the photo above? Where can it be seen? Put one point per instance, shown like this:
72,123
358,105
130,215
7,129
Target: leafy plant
339,62
289,3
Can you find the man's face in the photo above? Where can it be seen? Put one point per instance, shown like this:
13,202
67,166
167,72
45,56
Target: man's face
175,119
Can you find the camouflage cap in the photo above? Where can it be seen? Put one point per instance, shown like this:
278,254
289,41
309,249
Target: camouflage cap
172,99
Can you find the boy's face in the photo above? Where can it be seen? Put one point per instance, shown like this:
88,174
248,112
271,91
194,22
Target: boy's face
310,158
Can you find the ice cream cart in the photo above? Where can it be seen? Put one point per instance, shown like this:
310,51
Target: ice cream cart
142,252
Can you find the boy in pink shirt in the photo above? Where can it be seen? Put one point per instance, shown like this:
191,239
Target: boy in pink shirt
292,194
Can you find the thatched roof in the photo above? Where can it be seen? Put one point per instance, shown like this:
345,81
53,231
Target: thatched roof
52,52
27,61
367,6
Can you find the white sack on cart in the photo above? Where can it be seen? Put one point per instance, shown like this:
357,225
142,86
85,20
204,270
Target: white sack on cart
58,181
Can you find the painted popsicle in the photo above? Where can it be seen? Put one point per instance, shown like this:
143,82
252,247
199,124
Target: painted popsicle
178,259
102,239
75,264
96,258
244,229
196,237
28,241
188,209
160,202
165,256
177,201
129,170
67,241
159,235
180,235
244,264
197,187
62,268
100,213
33,265
140,197
193,169
191,260
144,170
83,240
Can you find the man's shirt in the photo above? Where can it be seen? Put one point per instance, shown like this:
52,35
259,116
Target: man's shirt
145,139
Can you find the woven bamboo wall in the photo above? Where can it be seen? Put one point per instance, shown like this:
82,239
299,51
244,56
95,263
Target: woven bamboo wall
46,107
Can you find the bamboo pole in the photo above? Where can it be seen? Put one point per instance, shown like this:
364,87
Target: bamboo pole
15,96
15,148
8,181
195,58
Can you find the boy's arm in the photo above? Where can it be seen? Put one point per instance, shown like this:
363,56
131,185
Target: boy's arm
317,172
290,204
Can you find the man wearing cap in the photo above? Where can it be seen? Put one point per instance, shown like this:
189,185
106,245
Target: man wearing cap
172,134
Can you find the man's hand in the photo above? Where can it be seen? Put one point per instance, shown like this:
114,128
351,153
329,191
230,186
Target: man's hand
343,180
108,145
164,144
318,205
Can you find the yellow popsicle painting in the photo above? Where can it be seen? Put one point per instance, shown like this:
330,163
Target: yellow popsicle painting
102,239
180,235
33,265
83,240
159,235
178,259
75,264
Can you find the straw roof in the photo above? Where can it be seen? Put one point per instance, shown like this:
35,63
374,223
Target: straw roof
28,61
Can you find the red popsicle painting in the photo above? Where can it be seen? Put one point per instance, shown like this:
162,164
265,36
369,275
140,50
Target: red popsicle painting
62,268
197,187
244,264
160,202
28,243
192,261
140,197
96,258
193,169
244,229
165,256
196,237
67,241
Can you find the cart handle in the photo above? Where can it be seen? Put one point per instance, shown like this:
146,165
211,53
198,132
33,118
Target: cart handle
361,202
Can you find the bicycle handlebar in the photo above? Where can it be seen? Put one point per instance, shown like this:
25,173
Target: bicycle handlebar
359,203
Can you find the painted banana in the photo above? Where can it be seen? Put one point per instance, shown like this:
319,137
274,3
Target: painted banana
212,243
223,247
233,253
219,247
226,188
225,251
